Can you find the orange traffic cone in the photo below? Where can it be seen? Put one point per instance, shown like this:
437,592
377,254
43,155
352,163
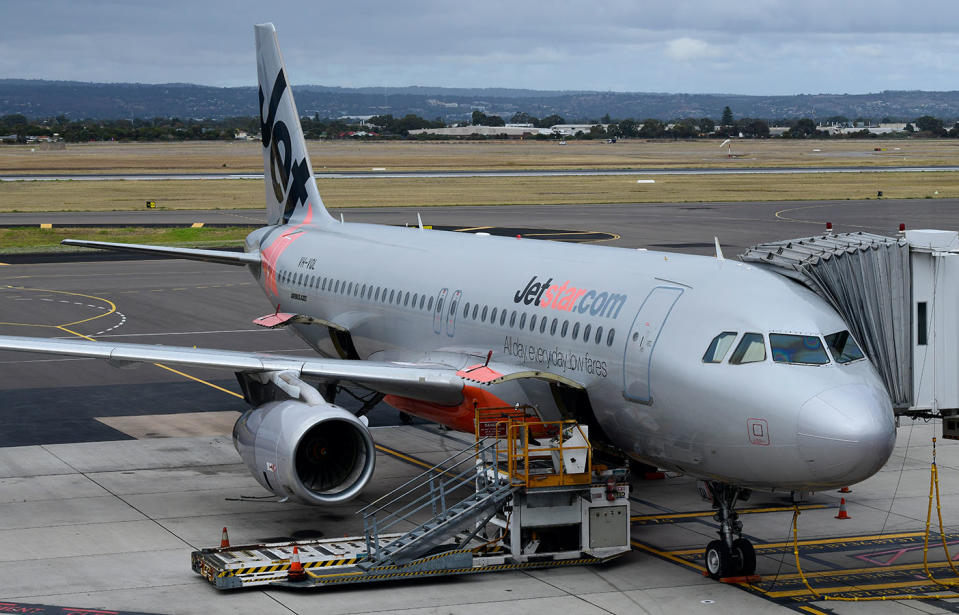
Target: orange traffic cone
296,568
845,490
224,539
842,510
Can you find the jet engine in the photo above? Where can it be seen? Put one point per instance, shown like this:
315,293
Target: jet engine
315,453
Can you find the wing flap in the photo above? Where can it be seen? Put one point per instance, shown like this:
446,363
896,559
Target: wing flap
222,257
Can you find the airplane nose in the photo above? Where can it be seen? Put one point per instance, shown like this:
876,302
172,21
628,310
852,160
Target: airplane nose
845,434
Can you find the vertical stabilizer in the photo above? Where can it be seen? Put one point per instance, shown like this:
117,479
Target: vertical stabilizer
291,193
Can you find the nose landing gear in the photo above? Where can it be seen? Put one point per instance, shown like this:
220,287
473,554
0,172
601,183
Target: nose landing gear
731,555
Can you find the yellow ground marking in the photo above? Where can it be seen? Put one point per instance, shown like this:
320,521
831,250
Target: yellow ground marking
4,264
840,589
472,228
810,609
46,226
64,328
825,574
711,513
113,307
823,541
667,555
196,225
200,380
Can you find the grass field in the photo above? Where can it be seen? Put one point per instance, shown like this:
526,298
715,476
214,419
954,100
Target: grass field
32,239
427,192
246,156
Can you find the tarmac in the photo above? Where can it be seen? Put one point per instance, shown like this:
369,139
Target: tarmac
109,478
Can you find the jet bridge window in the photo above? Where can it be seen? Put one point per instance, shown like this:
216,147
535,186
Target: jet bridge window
751,349
804,349
719,347
843,348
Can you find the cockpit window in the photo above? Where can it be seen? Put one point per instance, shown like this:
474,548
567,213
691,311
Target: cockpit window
843,348
751,349
719,347
806,349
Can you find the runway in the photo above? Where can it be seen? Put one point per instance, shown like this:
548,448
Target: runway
109,477
386,174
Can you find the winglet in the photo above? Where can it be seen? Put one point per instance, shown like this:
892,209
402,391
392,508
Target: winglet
719,251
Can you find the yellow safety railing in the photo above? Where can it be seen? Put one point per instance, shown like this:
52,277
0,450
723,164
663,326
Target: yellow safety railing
933,490
539,465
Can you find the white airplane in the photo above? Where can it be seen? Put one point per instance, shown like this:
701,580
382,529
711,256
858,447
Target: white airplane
700,365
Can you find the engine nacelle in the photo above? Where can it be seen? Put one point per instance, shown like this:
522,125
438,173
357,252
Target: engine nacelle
316,454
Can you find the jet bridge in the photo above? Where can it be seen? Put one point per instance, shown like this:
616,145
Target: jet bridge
899,296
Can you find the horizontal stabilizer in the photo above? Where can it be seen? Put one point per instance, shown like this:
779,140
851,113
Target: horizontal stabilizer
211,256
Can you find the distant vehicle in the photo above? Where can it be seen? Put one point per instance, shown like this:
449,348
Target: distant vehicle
700,365
611,140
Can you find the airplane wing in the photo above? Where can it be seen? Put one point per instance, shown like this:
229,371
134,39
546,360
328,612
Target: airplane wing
212,256
438,384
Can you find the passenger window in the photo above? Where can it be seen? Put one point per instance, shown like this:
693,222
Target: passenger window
392,295
522,320
422,299
562,332
502,318
552,326
453,308
406,298
492,317
575,331
542,325
363,291
336,287
475,310
586,331
415,296
805,349
377,296
610,337
512,319
483,317
466,310
532,322
719,347
599,335
843,348
751,349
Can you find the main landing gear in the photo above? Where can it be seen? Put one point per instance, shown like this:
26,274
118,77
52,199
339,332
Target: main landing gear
731,555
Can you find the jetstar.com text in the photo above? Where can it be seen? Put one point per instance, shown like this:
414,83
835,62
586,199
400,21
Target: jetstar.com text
568,298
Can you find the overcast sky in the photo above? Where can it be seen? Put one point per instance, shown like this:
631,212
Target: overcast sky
728,46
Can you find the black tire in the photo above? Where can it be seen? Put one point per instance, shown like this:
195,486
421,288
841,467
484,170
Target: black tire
406,419
717,559
744,557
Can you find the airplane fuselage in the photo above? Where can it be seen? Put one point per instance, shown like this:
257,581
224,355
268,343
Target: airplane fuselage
630,327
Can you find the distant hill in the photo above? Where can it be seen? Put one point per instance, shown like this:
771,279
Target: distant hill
36,98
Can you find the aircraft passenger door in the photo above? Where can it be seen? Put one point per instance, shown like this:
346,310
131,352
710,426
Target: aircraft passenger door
451,314
438,313
641,342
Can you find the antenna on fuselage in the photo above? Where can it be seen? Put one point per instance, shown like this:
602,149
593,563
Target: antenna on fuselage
419,220
719,251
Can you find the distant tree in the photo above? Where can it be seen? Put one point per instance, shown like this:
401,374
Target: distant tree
684,129
727,117
606,119
550,120
954,131
596,132
628,128
802,129
929,124
750,127
706,125
478,118
522,118
652,128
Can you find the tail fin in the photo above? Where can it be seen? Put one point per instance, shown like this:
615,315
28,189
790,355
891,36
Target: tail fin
291,193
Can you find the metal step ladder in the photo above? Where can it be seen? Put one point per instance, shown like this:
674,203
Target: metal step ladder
471,479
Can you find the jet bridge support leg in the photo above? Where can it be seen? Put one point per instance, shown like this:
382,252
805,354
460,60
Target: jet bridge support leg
731,555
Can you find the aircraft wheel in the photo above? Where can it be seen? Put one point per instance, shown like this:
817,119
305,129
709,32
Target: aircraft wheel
717,559
406,419
744,557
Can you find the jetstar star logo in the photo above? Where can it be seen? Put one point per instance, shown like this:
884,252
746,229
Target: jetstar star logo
568,298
